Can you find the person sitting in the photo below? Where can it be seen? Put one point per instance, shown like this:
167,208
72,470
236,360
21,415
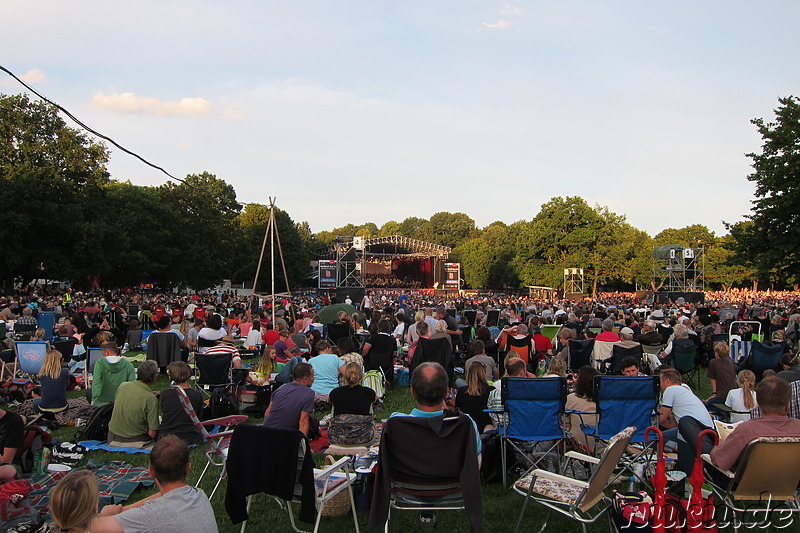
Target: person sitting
327,369
266,367
791,367
649,335
209,335
174,420
473,397
680,337
74,501
557,368
515,368
177,507
134,420
607,334
352,397
742,400
133,338
292,404
679,402
379,351
773,395
348,354
352,406
12,439
110,371
54,379
282,350
563,337
630,367
582,400
477,350
722,374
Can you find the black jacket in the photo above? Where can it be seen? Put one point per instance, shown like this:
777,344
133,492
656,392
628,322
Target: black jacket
428,450
262,459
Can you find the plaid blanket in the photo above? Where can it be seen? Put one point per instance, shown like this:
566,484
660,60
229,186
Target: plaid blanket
117,481
74,406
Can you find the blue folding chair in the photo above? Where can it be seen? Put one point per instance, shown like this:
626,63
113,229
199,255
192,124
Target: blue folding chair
623,402
535,413
763,357
30,356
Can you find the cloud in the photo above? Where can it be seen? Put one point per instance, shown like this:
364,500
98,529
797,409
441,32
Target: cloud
508,9
183,145
499,25
232,109
34,75
130,104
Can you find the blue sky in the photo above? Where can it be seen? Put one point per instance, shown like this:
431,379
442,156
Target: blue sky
376,111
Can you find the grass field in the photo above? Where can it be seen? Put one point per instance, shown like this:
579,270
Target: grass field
501,506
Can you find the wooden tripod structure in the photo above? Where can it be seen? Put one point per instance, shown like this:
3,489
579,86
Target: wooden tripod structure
272,235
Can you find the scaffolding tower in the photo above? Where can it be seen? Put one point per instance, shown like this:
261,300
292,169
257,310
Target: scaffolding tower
679,268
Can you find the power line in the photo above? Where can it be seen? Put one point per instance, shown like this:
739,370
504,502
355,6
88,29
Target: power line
87,128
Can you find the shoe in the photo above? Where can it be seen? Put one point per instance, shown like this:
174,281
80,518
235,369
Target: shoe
427,520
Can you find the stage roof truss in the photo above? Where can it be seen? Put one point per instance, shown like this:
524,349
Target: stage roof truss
386,247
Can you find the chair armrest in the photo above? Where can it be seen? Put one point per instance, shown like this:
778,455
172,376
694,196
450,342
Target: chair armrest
227,421
582,457
220,434
558,477
335,467
707,458
494,411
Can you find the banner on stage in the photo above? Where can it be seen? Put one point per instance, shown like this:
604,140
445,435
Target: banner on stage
327,274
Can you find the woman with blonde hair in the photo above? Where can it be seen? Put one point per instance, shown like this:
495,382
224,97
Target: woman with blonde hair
74,501
265,368
54,380
742,400
556,368
352,422
473,397
411,334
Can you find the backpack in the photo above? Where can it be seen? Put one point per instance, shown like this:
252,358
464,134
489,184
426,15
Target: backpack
374,380
222,403
97,426
16,512
34,439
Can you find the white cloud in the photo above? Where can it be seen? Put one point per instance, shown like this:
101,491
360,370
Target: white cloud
232,109
34,75
499,25
130,104
509,9
183,145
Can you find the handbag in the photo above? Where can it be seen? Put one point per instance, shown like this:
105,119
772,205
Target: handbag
351,430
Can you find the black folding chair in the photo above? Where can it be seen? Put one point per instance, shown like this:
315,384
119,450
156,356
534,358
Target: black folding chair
580,353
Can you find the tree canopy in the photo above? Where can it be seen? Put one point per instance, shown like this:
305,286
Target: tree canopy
65,218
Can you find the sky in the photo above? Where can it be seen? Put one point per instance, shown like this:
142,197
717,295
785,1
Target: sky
353,112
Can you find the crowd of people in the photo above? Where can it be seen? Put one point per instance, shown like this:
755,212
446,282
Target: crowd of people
311,364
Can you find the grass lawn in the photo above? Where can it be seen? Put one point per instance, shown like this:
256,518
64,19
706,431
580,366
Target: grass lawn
501,506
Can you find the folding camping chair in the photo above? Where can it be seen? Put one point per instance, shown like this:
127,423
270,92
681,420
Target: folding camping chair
763,357
623,402
214,370
582,501
580,353
92,356
444,478
613,365
218,441
684,359
535,409
282,457
765,481
550,331
30,356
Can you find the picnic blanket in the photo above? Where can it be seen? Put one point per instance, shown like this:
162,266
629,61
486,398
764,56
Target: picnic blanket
75,406
117,480
103,445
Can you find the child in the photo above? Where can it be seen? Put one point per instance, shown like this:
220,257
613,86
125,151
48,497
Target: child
743,399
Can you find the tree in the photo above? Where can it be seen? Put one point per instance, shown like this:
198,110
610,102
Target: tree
52,176
205,214
447,229
253,222
771,244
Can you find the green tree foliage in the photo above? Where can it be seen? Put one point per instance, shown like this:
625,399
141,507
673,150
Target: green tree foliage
205,214
253,224
51,178
447,229
487,260
771,243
